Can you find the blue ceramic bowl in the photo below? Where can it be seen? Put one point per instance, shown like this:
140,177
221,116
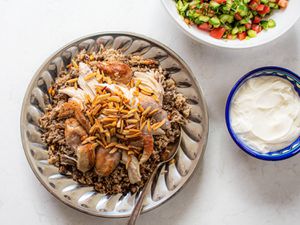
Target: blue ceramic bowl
288,151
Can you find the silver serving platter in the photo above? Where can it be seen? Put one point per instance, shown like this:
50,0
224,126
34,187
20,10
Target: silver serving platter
171,178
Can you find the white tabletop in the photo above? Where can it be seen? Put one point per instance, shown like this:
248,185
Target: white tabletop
229,188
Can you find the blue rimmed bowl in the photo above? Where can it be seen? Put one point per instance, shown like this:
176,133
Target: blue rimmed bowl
281,154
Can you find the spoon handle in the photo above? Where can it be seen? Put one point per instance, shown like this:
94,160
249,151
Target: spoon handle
139,205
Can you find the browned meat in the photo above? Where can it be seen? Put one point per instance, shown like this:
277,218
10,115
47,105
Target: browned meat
73,133
72,108
118,71
85,157
148,147
106,162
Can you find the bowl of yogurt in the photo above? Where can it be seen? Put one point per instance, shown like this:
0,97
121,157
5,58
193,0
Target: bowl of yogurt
263,113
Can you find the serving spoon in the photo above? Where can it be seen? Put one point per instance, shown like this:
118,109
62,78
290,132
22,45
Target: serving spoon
166,156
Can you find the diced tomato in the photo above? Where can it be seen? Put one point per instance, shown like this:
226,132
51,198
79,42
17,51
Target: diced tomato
260,8
253,5
229,36
220,1
283,3
218,32
256,28
242,35
265,10
204,26
237,16
256,19
248,26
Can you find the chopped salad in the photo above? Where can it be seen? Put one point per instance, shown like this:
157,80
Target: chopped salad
230,19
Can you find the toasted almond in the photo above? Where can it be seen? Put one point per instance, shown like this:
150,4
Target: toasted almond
130,152
87,98
136,116
129,136
113,150
74,80
89,76
146,93
155,98
112,131
141,108
75,65
158,125
100,143
76,86
108,119
107,135
143,125
114,99
138,82
148,126
130,126
145,89
147,110
89,139
135,147
153,112
134,130
133,111
110,145
120,136
110,125
121,146
96,110
109,111
131,121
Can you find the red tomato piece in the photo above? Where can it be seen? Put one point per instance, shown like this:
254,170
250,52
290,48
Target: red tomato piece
242,35
256,28
260,8
248,26
256,19
217,32
220,1
204,26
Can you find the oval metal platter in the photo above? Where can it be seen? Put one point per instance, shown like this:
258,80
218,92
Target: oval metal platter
171,178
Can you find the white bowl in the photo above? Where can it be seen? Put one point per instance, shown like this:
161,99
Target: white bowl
284,19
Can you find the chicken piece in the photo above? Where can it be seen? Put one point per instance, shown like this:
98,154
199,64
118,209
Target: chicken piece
117,71
76,94
85,157
150,79
88,86
73,133
72,108
148,147
106,162
160,115
133,169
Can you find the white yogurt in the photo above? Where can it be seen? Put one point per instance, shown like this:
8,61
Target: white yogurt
265,113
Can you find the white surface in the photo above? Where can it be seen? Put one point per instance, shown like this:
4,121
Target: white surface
284,21
229,188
